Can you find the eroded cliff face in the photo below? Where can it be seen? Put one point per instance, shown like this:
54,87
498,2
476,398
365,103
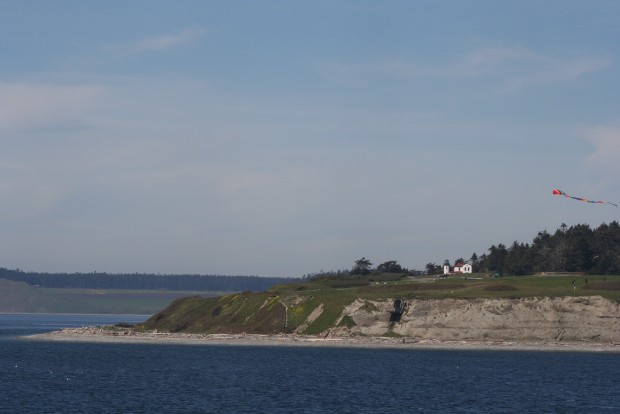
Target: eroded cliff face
567,319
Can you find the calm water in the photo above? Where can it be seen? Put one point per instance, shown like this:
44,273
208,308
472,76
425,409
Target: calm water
48,377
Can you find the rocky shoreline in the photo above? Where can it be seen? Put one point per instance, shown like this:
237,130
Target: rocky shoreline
128,335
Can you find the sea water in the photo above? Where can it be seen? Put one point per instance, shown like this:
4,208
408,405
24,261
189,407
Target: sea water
63,377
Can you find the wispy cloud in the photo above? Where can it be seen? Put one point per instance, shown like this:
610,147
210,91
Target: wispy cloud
513,66
31,104
156,43
520,66
606,141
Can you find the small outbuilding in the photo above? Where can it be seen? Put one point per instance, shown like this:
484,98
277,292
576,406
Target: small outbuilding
458,268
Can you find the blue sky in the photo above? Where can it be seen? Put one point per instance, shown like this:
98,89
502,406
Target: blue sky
281,138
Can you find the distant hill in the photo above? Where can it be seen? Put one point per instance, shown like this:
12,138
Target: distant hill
141,281
18,297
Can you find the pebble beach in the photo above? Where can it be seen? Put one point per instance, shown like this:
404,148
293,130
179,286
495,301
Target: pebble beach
101,335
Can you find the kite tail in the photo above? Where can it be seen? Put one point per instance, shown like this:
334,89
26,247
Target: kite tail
562,193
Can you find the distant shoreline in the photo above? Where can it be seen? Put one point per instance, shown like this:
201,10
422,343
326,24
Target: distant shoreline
111,315
99,335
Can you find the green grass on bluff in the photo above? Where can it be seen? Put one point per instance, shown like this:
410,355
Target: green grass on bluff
286,308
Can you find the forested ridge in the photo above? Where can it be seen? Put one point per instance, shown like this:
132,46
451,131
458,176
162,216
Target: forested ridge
574,249
137,281
577,248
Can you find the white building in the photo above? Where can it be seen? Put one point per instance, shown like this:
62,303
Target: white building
458,268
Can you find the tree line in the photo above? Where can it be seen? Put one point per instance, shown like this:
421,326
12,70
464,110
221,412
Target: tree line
139,281
364,267
574,249
577,248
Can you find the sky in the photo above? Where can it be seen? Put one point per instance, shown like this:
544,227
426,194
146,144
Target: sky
283,138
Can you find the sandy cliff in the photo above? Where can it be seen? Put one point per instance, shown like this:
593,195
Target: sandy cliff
569,319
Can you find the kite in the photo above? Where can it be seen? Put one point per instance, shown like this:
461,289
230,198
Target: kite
562,193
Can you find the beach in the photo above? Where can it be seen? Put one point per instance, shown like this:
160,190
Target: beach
128,335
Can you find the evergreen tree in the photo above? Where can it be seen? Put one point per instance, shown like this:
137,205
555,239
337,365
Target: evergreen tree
362,266
474,262
390,266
